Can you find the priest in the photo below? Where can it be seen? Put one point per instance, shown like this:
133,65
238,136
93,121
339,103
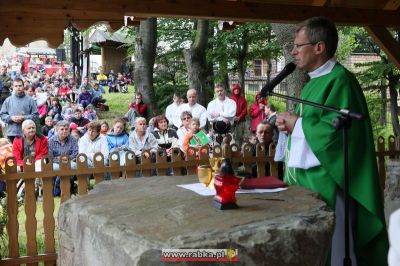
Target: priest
315,155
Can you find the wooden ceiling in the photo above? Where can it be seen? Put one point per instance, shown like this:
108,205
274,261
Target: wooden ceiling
24,21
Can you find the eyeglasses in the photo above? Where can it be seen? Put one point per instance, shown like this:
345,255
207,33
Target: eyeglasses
298,46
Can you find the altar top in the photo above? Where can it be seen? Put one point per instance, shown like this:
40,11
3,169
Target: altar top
127,221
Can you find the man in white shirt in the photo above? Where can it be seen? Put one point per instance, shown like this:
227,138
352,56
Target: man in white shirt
197,110
222,108
172,111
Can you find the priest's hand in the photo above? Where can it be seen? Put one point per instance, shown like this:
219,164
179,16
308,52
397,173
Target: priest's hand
286,121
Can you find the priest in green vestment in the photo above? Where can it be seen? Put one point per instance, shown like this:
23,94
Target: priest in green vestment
315,156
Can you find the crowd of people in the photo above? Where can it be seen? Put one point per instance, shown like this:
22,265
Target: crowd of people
53,115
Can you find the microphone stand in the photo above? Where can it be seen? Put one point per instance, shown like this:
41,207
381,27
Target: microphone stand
343,122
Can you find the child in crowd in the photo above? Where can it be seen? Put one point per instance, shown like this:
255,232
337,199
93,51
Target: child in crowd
54,110
90,113
74,93
193,138
252,139
67,110
48,126
104,128
75,133
64,91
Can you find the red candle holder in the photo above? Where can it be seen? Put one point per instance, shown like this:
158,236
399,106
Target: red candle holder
226,184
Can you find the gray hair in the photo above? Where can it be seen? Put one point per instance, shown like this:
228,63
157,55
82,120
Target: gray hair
61,124
140,119
27,122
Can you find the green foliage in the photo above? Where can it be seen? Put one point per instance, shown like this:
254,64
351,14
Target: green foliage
374,103
245,42
3,223
347,42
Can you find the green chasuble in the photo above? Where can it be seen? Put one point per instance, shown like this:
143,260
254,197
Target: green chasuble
340,89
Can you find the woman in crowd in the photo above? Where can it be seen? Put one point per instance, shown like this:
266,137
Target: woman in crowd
118,139
184,128
166,137
257,111
93,142
140,139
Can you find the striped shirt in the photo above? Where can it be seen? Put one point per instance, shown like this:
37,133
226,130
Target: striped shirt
57,149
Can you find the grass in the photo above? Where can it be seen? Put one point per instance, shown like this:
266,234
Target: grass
118,104
40,229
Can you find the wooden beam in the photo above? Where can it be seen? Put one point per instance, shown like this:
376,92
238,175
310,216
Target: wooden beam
392,5
319,2
258,12
37,16
386,42
212,9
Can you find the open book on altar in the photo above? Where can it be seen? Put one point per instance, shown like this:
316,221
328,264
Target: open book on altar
199,138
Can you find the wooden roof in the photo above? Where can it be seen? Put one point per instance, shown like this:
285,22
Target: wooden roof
24,21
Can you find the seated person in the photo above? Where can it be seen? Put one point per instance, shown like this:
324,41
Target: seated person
121,84
112,82
139,105
130,117
64,91
79,120
67,110
97,95
90,113
140,139
48,125
84,98
61,144
184,128
54,110
93,142
264,134
105,127
30,144
118,139
192,139
5,152
166,137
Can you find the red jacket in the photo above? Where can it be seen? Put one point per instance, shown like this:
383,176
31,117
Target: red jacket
141,108
257,114
63,90
41,148
241,103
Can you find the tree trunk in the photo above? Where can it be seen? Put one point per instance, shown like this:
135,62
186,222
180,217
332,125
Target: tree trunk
196,62
393,80
295,82
145,54
241,59
382,116
269,64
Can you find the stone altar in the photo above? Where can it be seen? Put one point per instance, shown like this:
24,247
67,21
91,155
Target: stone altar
129,221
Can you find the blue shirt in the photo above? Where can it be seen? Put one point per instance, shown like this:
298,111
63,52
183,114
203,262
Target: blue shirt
57,149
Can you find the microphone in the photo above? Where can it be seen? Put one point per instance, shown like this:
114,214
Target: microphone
286,71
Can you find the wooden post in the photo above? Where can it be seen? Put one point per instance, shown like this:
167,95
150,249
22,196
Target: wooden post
30,208
48,209
12,210
82,166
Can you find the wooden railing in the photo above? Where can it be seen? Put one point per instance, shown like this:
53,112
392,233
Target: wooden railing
146,168
392,151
